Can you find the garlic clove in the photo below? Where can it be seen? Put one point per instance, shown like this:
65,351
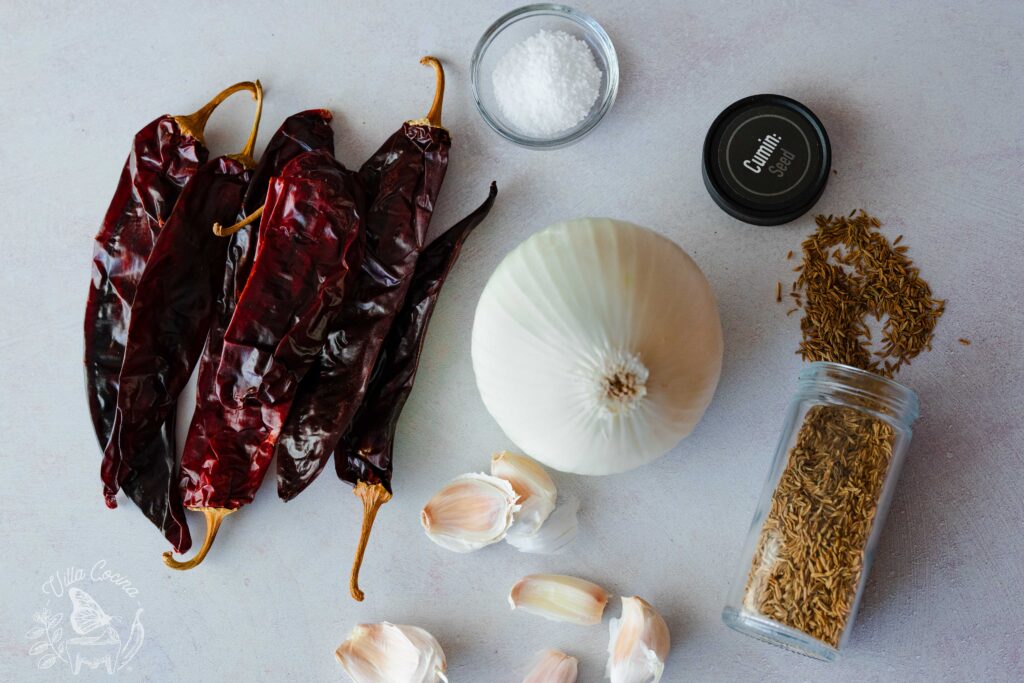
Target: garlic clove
639,644
533,485
470,512
389,653
558,531
553,667
559,598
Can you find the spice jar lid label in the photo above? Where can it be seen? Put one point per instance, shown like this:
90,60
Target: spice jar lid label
766,159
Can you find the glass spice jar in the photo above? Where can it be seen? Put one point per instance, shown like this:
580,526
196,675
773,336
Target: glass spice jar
810,545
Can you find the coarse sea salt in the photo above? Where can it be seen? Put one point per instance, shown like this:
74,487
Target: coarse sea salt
546,84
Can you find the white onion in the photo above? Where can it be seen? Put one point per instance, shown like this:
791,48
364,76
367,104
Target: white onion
597,346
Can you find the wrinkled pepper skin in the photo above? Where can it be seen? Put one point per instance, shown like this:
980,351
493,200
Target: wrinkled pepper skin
162,160
217,470
365,453
310,240
171,314
298,212
402,181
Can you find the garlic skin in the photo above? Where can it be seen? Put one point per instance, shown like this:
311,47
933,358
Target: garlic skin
537,493
597,346
559,598
553,667
470,512
559,530
638,645
389,653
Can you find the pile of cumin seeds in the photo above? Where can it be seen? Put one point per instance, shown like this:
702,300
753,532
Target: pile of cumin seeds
810,553
850,273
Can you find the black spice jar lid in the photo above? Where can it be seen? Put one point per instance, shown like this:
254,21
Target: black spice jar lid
766,159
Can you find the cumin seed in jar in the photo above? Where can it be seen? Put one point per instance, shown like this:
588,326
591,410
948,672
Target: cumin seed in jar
810,554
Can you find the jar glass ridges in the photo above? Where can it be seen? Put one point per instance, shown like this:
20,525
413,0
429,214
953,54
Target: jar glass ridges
810,545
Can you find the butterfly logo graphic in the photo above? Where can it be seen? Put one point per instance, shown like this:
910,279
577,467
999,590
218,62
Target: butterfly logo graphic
96,641
86,614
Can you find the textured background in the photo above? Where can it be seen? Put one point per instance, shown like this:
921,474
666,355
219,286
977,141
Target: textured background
923,104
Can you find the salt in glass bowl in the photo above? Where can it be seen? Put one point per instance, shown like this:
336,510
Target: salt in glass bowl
520,24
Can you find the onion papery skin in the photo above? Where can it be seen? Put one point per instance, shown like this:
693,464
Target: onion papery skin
597,345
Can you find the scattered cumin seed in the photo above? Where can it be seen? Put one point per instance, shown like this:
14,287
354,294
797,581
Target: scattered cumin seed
850,272
965,342
789,255
810,553
778,292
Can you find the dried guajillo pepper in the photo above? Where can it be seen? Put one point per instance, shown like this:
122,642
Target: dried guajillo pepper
164,157
307,249
364,456
220,469
402,180
170,317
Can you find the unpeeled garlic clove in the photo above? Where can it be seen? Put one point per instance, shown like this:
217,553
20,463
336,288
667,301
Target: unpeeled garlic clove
389,653
537,493
639,644
471,511
553,667
558,531
559,598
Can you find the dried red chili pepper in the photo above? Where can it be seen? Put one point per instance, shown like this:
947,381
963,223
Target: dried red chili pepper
402,179
295,291
364,456
170,316
309,249
218,474
164,157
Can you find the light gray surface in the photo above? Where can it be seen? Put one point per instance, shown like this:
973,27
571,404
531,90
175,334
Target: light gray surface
923,104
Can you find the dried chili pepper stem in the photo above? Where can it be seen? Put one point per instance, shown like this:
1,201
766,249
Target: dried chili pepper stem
433,117
194,124
373,496
220,231
214,517
245,156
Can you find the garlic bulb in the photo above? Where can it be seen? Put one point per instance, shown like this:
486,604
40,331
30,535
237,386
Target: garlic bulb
553,667
597,346
639,644
536,491
388,653
472,511
559,598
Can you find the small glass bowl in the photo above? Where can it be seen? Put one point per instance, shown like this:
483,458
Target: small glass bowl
515,27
